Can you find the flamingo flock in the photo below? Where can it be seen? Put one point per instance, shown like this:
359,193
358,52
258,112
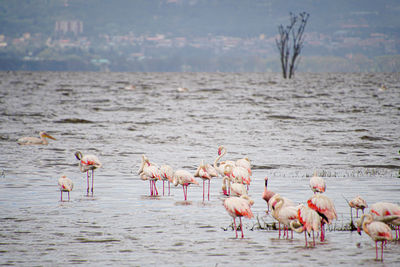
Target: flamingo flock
308,217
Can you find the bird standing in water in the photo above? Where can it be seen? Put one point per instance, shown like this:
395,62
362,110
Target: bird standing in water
378,231
66,185
87,163
239,207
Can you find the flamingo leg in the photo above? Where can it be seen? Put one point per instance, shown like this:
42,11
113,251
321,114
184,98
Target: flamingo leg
322,232
203,188
163,187
357,212
382,251
209,190
184,193
61,194
155,187
87,176
241,226
186,188
305,237
313,238
351,214
151,188
169,188
92,180
376,249
279,229
234,225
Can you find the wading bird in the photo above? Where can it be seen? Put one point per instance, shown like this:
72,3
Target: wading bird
206,172
66,185
184,178
357,203
325,208
87,163
34,140
239,207
317,184
167,173
150,171
388,213
307,220
378,231
220,166
284,212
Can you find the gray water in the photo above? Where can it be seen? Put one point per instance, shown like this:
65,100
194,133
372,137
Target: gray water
340,125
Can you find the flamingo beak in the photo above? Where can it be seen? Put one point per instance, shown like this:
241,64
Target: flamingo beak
359,230
49,136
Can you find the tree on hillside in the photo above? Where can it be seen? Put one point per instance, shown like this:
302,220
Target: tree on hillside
290,42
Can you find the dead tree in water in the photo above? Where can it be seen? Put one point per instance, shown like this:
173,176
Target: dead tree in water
290,42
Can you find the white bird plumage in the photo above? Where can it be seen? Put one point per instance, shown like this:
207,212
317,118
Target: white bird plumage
65,185
35,140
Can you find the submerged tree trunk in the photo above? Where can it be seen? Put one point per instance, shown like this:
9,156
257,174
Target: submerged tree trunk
290,42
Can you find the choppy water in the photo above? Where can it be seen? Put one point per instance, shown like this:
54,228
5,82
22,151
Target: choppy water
341,125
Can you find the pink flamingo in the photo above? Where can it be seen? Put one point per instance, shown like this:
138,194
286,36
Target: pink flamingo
283,213
238,174
206,172
87,163
220,166
239,207
267,195
66,185
387,212
325,208
307,220
167,173
378,231
317,184
151,172
184,178
357,203
245,163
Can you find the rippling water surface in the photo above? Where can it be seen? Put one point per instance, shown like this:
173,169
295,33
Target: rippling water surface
341,125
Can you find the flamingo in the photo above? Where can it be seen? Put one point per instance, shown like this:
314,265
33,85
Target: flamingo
325,208
283,213
184,178
238,174
238,189
245,163
387,212
206,172
220,167
150,171
167,172
267,195
34,140
239,207
307,220
357,203
87,163
317,184
378,231
66,185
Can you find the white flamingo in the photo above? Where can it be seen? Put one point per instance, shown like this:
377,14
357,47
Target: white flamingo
206,172
150,171
66,185
184,178
317,184
325,208
378,231
87,163
308,220
284,213
220,166
34,140
357,203
239,207
167,173
388,213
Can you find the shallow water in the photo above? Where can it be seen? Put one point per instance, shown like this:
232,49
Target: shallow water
340,125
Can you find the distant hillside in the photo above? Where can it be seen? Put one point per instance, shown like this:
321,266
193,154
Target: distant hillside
195,17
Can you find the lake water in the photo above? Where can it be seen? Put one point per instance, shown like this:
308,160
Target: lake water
344,126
